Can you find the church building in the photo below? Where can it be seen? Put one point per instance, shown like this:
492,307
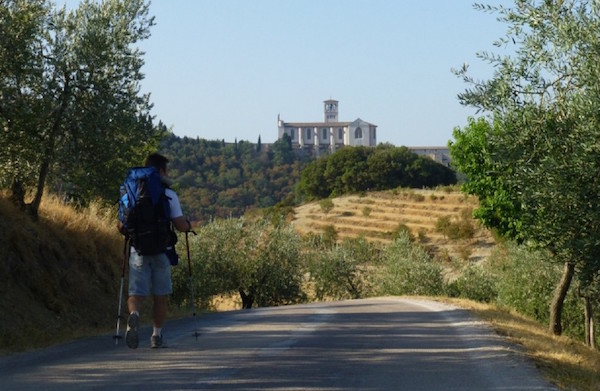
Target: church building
329,135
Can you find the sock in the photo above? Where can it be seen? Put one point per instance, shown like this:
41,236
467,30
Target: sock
157,331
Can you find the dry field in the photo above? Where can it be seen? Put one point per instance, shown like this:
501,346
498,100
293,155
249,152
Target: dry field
377,215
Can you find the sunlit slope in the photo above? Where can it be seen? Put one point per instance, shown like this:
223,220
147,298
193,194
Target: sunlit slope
377,215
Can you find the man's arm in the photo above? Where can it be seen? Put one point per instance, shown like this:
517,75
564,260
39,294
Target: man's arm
182,224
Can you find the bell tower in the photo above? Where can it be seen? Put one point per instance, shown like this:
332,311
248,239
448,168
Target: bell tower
330,110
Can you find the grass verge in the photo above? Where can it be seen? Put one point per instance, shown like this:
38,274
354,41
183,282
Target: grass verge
567,363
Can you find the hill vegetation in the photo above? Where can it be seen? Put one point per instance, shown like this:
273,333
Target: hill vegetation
215,179
359,169
440,220
50,295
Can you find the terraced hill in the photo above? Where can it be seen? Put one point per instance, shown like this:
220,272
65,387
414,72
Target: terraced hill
377,215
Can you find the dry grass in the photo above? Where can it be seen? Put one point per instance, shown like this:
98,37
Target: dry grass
59,277
419,210
565,362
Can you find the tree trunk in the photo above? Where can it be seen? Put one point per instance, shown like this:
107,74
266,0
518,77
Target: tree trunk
48,156
556,307
590,338
247,299
17,196
592,332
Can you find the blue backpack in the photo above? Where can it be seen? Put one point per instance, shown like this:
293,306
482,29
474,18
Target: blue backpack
144,211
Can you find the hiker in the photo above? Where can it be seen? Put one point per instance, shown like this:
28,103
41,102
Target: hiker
151,274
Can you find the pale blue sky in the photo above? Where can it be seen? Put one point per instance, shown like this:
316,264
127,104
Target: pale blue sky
224,69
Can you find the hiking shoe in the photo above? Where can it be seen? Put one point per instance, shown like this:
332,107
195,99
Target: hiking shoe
131,336
156,341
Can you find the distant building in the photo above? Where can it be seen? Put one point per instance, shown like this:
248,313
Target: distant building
439,154
329,135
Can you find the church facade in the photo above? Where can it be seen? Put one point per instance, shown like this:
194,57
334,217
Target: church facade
330,134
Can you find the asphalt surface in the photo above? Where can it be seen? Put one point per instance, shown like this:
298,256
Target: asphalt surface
371,344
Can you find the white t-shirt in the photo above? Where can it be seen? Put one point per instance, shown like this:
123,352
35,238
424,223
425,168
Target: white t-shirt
173,203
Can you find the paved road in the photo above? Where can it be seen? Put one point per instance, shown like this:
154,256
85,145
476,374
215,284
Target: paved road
372,344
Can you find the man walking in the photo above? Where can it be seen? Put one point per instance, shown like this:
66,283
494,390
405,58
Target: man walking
151,274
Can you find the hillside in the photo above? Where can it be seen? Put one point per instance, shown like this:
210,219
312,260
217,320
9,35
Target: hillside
58,276
378,214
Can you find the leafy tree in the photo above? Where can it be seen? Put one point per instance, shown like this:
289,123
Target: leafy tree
282,152
499,206
543,148
255,259
357,169
71,103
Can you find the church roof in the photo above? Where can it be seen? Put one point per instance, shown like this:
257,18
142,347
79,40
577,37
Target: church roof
323,124
315,124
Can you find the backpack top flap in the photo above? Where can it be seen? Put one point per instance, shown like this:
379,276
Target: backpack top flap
144,176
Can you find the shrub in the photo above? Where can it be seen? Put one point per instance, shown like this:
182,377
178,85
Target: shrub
329,235
402,229
443,224
409,270
344,272
228,255
526,281
461,229
326,205
366,211
475,283
464,252
417,197
422,235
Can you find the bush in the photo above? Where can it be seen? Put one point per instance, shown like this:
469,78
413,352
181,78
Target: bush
233,254
475,283
461,229
402,229
330,235
326,205
526,281
273,272
443,224
409,270
417,197
343,272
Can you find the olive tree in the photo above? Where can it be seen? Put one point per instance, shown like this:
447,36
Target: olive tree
71,108
544,116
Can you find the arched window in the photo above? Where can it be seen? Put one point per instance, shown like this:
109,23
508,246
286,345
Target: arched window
358,133
341,133
324,134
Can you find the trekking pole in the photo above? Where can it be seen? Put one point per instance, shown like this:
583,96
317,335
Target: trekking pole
193,301
117,336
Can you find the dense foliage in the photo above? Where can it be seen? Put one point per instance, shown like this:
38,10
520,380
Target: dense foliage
358,169
218,179
230,255
71,112
539,148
